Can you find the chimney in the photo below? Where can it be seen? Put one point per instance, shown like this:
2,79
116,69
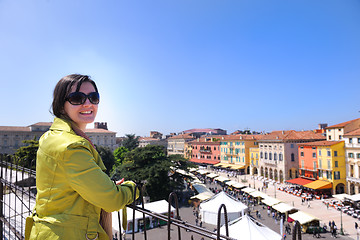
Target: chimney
100,125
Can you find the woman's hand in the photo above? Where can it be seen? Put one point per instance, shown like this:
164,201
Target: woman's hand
120,181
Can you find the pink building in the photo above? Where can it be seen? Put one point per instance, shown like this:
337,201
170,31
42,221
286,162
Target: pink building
205,150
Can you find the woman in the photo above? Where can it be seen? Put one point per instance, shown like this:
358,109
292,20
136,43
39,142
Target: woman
72,188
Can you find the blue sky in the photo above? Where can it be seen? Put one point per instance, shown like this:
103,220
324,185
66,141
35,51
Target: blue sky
176,65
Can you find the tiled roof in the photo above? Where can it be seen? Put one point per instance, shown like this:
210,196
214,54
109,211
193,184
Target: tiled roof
243,137
182,136
342,124
148,139
14,129
204,161
97,130
293,135
48,124
356,132
320,143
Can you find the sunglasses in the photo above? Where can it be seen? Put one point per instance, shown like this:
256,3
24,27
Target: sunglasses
78,98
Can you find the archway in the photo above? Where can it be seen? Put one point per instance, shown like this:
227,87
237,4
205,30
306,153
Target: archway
275,175
271,173
254,171
340,188
266,172
352,189
262,171
281,176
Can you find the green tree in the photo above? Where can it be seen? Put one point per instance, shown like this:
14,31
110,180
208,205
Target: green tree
131,141
151,165
119,155
26,155
107,157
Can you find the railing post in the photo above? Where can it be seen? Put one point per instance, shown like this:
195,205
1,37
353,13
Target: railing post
1,207
173,196
219,221
296,231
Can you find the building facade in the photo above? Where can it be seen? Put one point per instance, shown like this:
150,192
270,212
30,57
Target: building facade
352,159
279,159
11,138
176,144
205,150
336,132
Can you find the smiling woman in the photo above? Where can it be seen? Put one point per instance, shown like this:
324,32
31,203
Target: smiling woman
74,195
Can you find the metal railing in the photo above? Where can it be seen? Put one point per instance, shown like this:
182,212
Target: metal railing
17,200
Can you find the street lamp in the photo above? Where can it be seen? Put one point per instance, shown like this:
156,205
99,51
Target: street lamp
341,228
275,188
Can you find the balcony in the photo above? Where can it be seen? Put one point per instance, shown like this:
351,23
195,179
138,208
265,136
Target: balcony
353,179
205,151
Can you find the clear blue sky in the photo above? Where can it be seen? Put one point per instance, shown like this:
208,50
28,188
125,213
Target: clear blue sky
176,65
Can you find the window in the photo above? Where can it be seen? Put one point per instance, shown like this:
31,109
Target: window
314,165
336,164
261,154
314,154
350,140
301,147
328,164
302,164
292,145
339,129
358,155
329,137
301,154
293,157
319,152
340,137
320,164
275,156
328,153
336,175
313,148
280,157
335,153
351,155
266,155
358,140
270,156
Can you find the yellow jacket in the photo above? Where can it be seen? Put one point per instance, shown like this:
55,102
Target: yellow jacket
72,188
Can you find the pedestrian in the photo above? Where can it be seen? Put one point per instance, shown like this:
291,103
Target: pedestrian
308,205
268,212
73,191
356,225
335,229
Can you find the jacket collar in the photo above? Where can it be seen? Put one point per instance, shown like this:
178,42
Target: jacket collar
62,125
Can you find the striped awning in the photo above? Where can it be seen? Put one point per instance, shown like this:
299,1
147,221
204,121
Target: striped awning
319,184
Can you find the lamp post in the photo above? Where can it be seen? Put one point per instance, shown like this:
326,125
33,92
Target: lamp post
275,188
341,228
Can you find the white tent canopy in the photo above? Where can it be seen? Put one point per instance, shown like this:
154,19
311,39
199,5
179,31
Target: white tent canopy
246,228
248,190
303,217
282,207
238,185
222,179
212,175
270,201
230,183
341,196
354,198
209,209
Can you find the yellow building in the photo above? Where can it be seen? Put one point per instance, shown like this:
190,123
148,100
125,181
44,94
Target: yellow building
254,160
331,164
234,151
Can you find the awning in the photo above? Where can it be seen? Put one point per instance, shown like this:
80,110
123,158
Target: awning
203,196
237,166
341,196
203,172
248,190
270,201
303,217
258,194
354,198
212,175
238,185
231,183
218,164
300,181
221,179
211,162
319,184
282,207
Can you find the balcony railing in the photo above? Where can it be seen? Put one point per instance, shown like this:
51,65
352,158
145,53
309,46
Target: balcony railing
18,198
353,179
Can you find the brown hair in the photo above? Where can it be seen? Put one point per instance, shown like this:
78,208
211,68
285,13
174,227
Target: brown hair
62,90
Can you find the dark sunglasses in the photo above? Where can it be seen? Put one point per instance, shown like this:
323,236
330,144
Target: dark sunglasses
78,98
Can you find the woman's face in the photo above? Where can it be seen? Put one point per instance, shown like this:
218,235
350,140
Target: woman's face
85,113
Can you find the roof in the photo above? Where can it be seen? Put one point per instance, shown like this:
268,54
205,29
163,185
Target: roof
303,217
48,124
299,181
356,132
340,125
282,207
182,136
97,130
243,137
14,129
320,143
293,135
148,139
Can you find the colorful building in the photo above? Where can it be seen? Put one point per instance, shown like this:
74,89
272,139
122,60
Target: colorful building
205,150
352,159
254,160
176,144
235,151
279,153
337,131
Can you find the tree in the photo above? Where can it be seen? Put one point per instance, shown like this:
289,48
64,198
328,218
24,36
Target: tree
131,141
26,155
119,155
107,157
151,165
